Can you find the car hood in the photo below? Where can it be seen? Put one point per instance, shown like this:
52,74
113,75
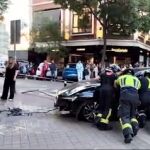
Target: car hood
76,87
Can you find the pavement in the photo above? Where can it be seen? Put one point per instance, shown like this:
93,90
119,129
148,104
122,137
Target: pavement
53,130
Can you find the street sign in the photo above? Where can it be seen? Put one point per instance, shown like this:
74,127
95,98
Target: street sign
15,30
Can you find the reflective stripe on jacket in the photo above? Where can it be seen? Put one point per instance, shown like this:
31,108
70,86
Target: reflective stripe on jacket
128,81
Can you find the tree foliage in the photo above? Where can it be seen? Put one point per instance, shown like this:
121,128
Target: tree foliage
123,16
3,6
48,35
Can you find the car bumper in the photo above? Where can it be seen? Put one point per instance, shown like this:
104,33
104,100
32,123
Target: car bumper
63,104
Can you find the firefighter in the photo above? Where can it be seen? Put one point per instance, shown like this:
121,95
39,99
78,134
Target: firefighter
104,98
128,103
144,94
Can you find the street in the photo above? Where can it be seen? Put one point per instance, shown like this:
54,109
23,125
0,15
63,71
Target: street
52,130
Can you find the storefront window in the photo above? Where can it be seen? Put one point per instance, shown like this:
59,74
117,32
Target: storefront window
41,17
82,24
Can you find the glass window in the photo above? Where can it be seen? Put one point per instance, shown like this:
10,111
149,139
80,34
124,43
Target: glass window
41,17
80,26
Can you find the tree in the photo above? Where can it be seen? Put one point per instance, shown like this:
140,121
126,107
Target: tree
3,6
124,16
48,35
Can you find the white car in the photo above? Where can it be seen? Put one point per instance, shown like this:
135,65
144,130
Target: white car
39,70
48,74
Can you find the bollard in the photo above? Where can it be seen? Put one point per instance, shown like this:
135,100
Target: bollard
65,83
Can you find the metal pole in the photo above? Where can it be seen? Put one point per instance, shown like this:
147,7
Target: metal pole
15,40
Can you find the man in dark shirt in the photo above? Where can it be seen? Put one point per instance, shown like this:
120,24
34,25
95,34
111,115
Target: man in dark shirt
105,97
53,69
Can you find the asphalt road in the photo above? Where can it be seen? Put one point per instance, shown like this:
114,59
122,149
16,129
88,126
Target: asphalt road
55,131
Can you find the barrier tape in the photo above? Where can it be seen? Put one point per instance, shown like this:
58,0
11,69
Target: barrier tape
42,78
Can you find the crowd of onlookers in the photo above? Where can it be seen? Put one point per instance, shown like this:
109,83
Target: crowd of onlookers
92,70
85,71
40,70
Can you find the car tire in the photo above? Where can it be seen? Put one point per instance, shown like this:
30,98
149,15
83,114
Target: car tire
87,111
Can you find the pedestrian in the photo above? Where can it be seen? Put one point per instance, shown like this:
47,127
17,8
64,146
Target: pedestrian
104,98
80,69
45,68
128,103
87,72
144,94
96,71
10,79
53,69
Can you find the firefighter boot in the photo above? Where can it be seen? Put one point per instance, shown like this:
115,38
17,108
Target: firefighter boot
128,138
97,119
142,120
104,127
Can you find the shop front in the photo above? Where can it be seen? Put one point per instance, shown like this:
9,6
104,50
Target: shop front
118,51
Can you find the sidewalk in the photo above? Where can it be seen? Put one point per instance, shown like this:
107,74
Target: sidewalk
54,131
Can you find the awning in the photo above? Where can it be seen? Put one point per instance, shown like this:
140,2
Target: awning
110,42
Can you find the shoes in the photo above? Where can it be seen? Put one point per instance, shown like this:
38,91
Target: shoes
128,139
142,120
97,120
135,130
3,99
104,127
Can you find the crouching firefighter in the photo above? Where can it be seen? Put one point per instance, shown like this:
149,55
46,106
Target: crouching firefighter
128,103
144,94
104,98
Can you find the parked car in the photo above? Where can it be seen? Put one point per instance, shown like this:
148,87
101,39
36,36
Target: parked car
70,72
140,72
48,73
39,69
23,67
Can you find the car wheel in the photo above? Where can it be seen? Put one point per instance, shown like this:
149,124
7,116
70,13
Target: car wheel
87,111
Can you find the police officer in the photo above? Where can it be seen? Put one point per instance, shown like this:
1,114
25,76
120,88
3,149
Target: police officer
144,94
105,98
128,102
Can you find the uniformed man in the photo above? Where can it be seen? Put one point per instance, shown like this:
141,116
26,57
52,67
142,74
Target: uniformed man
128,102
144,94
105,96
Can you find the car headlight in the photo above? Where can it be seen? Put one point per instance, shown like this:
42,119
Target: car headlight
73,98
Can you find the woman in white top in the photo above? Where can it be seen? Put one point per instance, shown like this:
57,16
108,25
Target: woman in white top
96,71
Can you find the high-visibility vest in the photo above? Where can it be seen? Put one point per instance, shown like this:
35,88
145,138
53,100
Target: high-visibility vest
128,81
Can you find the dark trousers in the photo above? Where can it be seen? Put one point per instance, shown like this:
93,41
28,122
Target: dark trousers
127,112
129,101
53,74
105,101
143,109
8,85
145,99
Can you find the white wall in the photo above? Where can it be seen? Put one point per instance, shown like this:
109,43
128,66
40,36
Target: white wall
4,40
20,10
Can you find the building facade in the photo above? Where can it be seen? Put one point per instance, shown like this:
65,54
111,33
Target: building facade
21,12
86,43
